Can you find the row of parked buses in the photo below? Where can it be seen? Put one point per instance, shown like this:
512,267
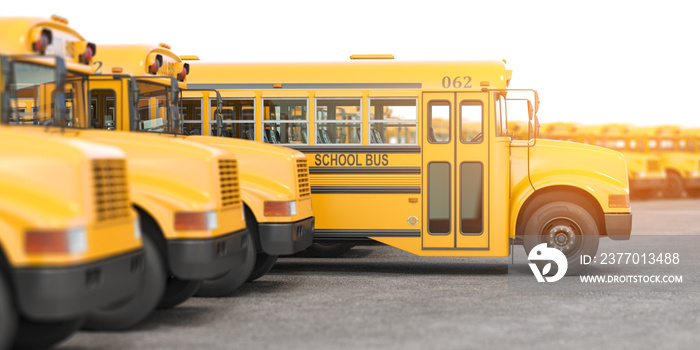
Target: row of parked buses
197,176
661,159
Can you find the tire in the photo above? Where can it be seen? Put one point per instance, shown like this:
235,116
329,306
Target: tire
40,335
227,283
673,188
263,264
263,261
565,226
127,313
329,250
8,315
177,291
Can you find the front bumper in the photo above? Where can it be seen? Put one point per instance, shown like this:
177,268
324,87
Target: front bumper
618,226
647,184
58,293
198,259
286,238
693,183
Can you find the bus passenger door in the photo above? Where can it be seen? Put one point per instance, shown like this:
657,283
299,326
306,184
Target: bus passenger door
455,171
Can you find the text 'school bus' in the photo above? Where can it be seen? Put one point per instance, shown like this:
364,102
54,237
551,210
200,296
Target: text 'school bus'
274,180
69,240
646,176
681,164
418,155
186,194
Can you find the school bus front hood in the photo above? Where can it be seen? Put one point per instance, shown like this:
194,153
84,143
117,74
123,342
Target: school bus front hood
184,173
594,169
47,181
272,166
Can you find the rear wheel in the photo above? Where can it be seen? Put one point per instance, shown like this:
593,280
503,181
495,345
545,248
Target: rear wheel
177,291
329,250
234,278
8,315
673,188
40,335
565,226
129,312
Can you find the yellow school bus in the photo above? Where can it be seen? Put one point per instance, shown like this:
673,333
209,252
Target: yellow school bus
562,131
69,241
273,180
646,175
186,195
425,162
682,167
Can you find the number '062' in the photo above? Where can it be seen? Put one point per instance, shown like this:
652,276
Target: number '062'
458,82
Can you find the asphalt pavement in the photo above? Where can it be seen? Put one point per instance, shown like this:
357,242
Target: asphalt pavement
378,297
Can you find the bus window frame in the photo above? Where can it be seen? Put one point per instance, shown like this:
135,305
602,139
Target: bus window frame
431,130
414,122
449,197
305,122
461,119
317,121
223,100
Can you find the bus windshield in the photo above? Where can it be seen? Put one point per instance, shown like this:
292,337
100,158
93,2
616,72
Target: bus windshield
153,109
31,91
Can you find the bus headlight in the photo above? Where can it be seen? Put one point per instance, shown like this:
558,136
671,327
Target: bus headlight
196,221
70,241
288,208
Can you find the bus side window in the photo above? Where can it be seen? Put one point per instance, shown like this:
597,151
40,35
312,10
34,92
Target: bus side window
393,121
238,116
339,120
285,121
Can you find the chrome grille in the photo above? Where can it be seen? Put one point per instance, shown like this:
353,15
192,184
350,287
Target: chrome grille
653,165
230,192
303,178
111,189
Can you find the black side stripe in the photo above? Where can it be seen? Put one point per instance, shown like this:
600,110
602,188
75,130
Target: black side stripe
366,189
365,233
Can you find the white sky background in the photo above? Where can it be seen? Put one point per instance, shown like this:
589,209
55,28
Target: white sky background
591,61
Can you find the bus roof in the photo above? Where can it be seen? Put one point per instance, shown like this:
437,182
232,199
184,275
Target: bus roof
22,36
139,60
355,74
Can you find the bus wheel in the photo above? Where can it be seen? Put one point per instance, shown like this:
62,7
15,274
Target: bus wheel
230,281
263,264
127,313
177,291
8,315
564,226
329,250
673,188
263,261
40,335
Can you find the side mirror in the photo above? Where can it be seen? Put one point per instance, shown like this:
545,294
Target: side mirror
537,127
530,111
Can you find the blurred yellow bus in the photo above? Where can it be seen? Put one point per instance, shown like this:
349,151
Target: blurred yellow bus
274,180
69,241
430,166
682,167
187,195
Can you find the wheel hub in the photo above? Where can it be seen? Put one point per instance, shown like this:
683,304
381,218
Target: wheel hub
562,237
